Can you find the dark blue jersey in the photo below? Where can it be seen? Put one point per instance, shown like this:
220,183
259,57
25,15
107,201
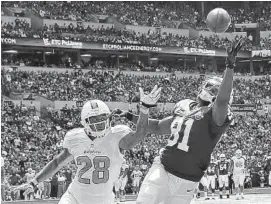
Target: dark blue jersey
194,136
223,167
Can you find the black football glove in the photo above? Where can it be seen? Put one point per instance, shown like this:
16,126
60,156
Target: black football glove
232,53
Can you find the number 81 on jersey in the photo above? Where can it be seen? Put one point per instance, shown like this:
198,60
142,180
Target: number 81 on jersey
184,132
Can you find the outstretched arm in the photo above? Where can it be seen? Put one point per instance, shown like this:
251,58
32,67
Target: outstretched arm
161,127
134,137
220,108
53,166
155,126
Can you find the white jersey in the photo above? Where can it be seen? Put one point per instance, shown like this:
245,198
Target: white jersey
98,164
29,177
238,165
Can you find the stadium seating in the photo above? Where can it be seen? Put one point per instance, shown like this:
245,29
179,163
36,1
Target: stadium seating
112,35
30,139
152,14
72,86
30,142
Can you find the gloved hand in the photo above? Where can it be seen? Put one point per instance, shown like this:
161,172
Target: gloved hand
151,99
232,53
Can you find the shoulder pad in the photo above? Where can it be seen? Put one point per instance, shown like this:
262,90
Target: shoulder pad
74,132
183,106
72,136
121,129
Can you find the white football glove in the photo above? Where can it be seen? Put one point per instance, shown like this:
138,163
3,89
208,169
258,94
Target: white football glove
150,100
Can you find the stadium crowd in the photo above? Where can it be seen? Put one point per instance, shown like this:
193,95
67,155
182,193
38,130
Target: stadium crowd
21,29
24,133
78,85
29,142
29,139
154,14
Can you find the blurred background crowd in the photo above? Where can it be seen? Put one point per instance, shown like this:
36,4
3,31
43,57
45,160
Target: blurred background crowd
30,139
153,14
79,85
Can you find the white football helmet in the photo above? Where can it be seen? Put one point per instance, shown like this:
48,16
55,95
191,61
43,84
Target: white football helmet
95,118
210,88
222,157
238,153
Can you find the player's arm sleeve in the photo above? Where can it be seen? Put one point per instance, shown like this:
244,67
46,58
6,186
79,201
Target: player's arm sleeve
54,166
160,127
220,107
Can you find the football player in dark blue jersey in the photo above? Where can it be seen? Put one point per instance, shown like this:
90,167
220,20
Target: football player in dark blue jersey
195,129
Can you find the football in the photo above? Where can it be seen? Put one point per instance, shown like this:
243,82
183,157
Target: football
218,20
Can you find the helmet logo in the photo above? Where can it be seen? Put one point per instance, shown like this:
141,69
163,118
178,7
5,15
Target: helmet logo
94,105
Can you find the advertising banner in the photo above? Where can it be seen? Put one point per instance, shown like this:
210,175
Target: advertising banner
243,107
199,51
131,48
261,53
62,43
45,42
8,40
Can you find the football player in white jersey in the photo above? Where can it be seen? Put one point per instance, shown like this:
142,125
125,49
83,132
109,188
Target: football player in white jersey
136,176
238,163
96,150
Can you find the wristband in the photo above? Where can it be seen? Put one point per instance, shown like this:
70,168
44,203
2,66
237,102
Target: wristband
230,65
144,109
146,105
